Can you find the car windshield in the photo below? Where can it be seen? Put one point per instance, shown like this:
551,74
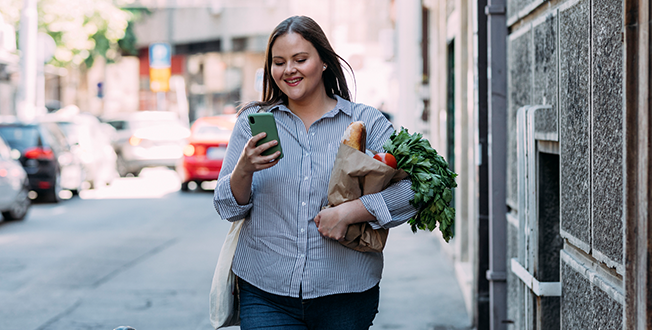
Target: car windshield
211,132
71,131
136,124
20,137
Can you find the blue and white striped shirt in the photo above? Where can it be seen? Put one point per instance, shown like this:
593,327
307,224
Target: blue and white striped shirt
280,250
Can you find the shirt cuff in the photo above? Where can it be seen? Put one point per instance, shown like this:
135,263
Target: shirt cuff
375,204
226,204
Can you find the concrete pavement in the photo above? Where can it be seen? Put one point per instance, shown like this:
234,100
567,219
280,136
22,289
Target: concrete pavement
418,290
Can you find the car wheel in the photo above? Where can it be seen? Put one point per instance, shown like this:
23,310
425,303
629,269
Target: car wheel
52,195
122,167
19,208
184,186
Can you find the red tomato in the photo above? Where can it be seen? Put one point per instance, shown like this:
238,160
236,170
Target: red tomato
386,158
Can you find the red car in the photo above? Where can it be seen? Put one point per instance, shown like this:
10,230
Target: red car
202,157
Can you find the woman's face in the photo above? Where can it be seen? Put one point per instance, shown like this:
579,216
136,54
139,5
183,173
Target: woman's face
297,68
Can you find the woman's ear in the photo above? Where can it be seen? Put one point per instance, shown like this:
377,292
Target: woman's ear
324,67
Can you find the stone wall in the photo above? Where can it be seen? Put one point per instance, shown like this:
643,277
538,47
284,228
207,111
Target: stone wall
569,54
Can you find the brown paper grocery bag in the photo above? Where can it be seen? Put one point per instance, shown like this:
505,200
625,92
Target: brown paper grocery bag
355,174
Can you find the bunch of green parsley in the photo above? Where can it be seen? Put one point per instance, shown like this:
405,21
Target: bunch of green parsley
432,181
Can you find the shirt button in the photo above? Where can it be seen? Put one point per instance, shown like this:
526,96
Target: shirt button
303,203
307,154
302,255
306,178
313,134
302,230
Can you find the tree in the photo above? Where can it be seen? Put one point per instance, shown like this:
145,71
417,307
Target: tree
81,29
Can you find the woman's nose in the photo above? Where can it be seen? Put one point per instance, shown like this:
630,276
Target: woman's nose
290,69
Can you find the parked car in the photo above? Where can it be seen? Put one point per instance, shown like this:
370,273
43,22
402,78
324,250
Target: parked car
45,154
147,139
203,155
14,186
90,141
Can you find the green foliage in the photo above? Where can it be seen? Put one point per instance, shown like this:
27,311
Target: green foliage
432,181
82,30
128,43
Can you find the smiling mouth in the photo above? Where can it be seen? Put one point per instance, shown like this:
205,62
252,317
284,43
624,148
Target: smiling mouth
293,81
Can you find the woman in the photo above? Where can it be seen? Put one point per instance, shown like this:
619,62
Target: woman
293,272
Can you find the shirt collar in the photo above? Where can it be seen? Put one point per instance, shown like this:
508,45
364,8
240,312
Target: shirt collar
342,105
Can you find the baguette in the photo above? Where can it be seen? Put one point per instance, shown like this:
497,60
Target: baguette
355,136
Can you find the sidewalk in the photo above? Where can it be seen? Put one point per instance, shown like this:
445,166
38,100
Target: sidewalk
419,290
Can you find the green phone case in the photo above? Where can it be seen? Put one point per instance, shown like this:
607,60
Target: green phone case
264,122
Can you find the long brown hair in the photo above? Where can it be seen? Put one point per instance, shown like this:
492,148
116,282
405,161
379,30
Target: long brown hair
333,76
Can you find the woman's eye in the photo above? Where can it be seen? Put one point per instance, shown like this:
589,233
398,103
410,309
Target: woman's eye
278,63
301,60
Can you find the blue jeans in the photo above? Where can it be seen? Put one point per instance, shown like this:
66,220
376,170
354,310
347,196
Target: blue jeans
347,311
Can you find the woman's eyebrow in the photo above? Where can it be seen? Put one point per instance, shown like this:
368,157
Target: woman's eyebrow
295,55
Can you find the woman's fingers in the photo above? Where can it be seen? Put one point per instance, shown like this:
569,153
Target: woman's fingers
329,225
252,158
258,150
251,144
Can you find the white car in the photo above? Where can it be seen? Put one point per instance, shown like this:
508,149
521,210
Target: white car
90,142
147,139
14,186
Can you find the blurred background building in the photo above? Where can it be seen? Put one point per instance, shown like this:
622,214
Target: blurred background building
8,64
218,51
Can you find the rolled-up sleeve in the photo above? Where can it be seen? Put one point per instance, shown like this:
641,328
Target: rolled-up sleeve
225,204
223,200
391,207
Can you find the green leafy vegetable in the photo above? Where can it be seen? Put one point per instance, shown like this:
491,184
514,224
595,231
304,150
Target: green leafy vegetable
432,181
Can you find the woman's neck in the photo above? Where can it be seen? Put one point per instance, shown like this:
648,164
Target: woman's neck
319,104
311,110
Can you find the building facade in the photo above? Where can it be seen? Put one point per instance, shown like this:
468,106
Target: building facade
573,251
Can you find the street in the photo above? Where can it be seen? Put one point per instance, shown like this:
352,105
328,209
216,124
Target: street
141,253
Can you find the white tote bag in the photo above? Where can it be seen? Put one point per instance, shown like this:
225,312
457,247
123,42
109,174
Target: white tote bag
223,300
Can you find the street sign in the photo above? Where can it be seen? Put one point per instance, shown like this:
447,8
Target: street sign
159,67
159,55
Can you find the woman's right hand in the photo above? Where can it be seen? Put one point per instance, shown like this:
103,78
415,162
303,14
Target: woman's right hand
251,160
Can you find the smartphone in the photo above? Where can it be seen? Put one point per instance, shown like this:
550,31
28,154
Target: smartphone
265,122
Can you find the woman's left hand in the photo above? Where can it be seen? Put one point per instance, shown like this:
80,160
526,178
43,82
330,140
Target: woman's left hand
334,221
331,224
